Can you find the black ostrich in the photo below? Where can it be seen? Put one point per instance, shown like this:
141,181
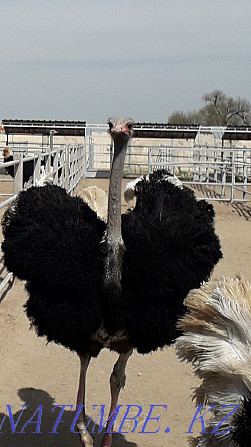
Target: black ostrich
119,285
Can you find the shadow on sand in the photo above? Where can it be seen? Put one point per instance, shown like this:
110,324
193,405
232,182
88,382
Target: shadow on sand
64,438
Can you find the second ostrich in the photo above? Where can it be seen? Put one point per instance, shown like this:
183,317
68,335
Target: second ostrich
119,285
217,341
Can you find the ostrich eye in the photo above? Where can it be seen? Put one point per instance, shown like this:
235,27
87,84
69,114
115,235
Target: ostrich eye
129,125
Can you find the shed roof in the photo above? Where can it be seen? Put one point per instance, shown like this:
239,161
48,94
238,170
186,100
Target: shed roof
43,127
162,130
237,133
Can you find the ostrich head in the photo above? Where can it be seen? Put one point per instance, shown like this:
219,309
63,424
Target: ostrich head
6,152
120,129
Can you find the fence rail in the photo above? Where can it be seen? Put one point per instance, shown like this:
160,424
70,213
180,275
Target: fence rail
225,170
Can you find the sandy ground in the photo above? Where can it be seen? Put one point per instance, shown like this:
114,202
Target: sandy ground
35,374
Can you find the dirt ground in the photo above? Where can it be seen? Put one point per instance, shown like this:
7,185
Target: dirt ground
35,374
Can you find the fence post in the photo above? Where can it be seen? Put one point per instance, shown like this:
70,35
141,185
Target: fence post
84,160
223,169
245,177
215,169
129,160
232,157
18,173
111,156
91,156
55,168
37,168
149,160
67,167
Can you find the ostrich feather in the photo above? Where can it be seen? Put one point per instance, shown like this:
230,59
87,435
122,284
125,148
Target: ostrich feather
131,191
217,341
97,199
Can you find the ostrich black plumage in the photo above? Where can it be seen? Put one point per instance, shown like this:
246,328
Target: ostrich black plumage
119,285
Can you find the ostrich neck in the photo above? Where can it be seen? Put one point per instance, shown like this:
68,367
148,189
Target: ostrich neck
114,242
114,200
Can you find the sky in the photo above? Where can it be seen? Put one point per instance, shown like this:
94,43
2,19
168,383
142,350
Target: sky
144,59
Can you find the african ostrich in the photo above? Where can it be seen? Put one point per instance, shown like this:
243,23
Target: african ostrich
119,285
217,341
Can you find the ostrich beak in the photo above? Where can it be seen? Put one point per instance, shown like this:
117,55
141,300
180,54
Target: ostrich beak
120,129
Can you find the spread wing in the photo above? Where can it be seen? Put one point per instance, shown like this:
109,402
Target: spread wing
52,238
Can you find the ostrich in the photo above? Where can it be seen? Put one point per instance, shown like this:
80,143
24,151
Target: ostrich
119,285
217,341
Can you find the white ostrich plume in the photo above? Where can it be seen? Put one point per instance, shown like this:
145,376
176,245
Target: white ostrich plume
97,199
217,341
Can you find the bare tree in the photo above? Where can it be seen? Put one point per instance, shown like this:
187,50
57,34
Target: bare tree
225,110
219,110
180,117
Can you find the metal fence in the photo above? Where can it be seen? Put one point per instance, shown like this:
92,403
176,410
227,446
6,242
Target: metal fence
63,166
226,171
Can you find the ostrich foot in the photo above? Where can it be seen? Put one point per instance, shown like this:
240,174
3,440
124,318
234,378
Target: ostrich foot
85,436
107,440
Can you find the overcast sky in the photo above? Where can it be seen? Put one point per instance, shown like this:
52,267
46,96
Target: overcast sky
91,59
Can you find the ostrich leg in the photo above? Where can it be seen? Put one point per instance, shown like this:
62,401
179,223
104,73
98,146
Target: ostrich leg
85,436
117,381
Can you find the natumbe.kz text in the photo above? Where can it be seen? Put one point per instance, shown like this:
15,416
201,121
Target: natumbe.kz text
153,420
